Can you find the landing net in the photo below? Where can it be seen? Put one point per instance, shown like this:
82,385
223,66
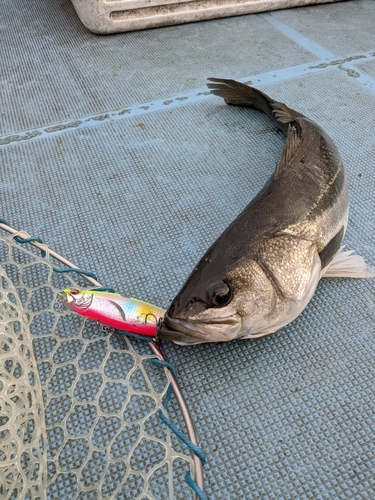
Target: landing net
79,408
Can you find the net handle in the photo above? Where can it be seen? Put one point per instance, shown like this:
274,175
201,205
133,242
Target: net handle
198,470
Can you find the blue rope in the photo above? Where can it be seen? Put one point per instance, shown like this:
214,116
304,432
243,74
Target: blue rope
161,362
22,241
134,335
104,289
79,271
193,485
195,449
27,240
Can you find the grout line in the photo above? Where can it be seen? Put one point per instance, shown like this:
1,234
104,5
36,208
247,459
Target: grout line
195,96
352,70
298,38
344,64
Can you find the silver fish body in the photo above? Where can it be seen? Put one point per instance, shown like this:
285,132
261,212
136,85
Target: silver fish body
264,268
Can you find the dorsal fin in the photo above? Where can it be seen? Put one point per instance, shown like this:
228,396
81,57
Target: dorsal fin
283,113
292,142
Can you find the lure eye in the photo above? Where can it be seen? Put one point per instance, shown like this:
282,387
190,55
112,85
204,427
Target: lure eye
74,292
219,294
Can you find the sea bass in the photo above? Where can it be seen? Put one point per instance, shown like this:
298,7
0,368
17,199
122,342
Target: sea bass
262,271
112,309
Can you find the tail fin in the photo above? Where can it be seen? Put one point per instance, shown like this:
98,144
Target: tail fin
239,94
346,265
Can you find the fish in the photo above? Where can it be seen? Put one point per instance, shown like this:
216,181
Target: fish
262,271
114,310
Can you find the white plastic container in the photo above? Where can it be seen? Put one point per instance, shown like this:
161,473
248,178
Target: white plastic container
113,16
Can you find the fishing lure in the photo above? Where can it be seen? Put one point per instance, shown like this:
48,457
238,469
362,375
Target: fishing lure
114,310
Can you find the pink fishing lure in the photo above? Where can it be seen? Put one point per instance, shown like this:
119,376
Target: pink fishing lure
112,309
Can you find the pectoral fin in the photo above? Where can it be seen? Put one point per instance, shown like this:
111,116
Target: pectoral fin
347,265
331,249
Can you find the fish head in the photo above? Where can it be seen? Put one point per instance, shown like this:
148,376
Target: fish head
218,303
76,300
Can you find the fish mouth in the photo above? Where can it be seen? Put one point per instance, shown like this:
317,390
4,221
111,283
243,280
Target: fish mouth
193,332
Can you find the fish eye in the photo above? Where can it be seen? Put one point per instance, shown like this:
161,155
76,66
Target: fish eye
219,294
74,292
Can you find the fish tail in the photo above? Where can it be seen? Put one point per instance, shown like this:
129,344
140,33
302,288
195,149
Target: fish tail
347,265
240,94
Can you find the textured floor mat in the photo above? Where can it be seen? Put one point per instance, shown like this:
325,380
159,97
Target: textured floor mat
139,191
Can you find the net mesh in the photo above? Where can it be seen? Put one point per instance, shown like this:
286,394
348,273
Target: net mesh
79,407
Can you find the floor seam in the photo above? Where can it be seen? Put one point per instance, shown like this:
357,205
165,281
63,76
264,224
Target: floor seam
318,50
194,96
